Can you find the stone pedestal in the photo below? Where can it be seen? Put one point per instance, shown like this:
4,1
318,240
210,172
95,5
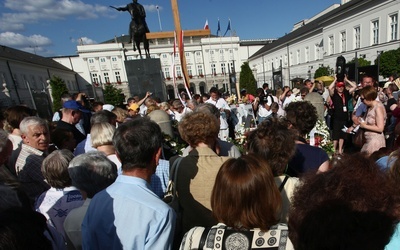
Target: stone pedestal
146,75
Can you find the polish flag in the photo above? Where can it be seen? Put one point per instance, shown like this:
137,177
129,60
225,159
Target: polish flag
206,25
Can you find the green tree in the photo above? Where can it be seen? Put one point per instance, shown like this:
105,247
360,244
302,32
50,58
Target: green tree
360,61
247,80
323,71
58,88
389,62
113,95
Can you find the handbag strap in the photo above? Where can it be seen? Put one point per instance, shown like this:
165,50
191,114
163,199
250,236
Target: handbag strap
203,238
283,183
173,176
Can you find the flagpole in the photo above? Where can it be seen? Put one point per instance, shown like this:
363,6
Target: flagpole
233,65
159,19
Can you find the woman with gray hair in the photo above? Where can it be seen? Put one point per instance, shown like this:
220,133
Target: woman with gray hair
102,135
90,173
61,198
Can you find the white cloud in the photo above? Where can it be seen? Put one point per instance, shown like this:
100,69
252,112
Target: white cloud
32,11
20,41
36,44
83,41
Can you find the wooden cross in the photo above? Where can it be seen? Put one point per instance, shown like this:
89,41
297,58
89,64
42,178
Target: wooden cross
178,29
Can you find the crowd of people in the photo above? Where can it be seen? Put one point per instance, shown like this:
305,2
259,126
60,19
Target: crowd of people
95,177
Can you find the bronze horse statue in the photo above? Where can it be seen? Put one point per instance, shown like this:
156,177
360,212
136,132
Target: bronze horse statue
137,27
137,35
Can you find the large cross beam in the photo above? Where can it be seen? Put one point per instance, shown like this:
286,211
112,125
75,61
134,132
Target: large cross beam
178,30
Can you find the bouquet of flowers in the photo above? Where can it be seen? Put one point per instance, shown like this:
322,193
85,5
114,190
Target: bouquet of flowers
173,146
322,137
241,138
231,99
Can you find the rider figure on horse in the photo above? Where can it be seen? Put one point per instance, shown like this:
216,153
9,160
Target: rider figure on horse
138,22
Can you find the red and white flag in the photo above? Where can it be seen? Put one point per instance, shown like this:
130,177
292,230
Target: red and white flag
206,25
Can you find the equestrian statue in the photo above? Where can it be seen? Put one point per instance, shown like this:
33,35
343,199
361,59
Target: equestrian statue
137,27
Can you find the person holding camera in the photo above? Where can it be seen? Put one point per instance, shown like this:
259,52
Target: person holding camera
340,98
262,105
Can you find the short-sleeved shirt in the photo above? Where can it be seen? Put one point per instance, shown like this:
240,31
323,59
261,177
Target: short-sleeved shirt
128,215
307,158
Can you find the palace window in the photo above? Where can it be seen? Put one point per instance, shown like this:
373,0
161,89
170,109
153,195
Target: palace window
393,27
117,76
343,41
357,37
106,77
375,32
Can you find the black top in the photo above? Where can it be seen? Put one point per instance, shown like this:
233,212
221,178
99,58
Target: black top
338,103
77,134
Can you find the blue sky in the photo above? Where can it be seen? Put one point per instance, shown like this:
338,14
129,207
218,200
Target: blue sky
54,27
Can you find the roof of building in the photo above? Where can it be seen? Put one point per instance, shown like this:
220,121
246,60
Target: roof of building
316,25
22,56
125,39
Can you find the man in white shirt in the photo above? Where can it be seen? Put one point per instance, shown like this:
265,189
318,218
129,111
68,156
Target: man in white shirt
225,110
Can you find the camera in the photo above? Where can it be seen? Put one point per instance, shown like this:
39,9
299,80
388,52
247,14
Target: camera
340,68
263,99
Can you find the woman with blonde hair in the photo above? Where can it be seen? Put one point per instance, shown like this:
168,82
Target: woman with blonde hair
121,114
101,135
247,204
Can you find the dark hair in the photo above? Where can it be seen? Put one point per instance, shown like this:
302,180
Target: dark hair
302,116
334,225
304,90
245,194
23,229
214,90
393,87
14,115
136,142
356,181
273,141
59,136
130,99
265,85
103,116
260,92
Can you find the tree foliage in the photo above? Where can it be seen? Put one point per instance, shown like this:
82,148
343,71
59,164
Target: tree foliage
361,62
389,62
247,80
113,95
323,71
58,88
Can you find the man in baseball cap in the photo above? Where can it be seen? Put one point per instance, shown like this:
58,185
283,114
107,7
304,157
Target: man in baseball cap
71,114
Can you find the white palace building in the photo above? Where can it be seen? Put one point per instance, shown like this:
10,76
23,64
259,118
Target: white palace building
354,28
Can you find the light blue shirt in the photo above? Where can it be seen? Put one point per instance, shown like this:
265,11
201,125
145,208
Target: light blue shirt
394,243
159,180
128,215
384,163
